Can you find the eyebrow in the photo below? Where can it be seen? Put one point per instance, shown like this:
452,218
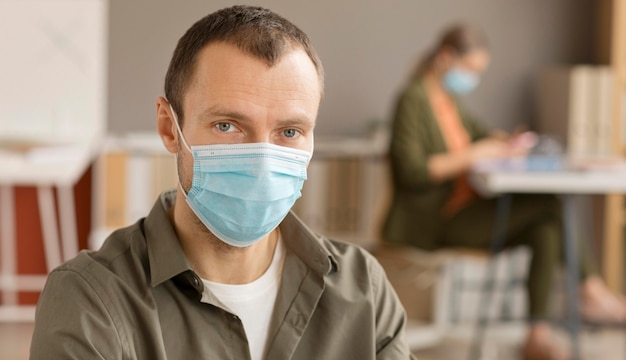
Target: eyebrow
216,112
236,115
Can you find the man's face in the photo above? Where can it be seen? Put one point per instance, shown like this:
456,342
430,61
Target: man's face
234,97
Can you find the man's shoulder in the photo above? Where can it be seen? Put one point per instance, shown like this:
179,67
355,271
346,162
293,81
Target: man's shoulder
342,247
350,256
122,254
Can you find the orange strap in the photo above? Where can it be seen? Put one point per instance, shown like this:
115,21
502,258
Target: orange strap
457,140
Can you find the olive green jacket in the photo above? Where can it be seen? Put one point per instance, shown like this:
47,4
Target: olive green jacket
415,214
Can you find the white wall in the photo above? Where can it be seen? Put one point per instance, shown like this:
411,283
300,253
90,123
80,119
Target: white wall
52,69
368,47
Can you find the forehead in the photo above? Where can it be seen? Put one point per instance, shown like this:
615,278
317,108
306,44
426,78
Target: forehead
221,64
476,60
228,82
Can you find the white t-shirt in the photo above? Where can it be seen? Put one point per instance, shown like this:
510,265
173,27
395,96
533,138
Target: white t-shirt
254,302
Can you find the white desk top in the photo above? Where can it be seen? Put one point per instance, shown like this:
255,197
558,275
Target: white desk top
52,164
490,180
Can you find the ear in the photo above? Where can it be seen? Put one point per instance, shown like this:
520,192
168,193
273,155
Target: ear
166,125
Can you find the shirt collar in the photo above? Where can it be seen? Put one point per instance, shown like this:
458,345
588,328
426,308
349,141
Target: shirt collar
165,253
168,260
307,245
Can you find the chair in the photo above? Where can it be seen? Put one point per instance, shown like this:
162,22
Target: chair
435,287
466,276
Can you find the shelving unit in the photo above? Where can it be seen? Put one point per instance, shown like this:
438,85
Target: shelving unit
52,119
130,173
615,212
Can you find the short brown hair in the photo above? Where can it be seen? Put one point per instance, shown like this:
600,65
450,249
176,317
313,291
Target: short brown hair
254,30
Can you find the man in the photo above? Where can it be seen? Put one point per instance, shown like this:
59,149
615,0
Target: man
220,269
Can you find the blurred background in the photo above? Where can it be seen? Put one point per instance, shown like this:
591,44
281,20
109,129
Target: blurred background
79,155
368,48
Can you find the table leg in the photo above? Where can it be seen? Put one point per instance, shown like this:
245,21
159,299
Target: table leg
613,249
8,271
49,227
67,216
572,274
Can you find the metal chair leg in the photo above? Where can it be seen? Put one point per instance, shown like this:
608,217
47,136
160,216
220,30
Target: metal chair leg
497,243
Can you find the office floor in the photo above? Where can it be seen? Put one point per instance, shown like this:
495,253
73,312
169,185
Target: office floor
502,344
15,340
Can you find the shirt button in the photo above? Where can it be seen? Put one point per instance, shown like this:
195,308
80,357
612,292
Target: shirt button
298,321
196,282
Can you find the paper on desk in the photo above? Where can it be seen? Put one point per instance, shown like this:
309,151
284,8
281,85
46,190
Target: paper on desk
528,163
541,163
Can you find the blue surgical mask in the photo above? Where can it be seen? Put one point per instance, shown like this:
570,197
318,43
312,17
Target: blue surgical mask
241,192
460,81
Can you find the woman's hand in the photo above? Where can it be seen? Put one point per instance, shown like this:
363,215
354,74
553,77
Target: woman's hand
498,147
445,166
523,142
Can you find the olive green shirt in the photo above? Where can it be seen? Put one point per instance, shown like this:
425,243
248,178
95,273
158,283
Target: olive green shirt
415,214
138,298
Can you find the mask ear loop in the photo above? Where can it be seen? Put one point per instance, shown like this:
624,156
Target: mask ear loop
180,136
180,132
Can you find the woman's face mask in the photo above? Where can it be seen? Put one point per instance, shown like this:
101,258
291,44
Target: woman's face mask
463,76
460,81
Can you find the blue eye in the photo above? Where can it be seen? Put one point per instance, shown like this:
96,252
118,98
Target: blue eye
290,133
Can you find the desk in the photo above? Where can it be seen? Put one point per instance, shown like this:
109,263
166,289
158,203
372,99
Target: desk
494,178
489,179
47,167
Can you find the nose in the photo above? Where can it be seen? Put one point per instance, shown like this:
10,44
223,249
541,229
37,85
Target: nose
258,136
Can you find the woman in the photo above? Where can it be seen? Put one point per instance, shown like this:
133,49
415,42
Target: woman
434,144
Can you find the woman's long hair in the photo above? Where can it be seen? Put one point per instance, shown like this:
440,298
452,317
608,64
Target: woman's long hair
460,38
